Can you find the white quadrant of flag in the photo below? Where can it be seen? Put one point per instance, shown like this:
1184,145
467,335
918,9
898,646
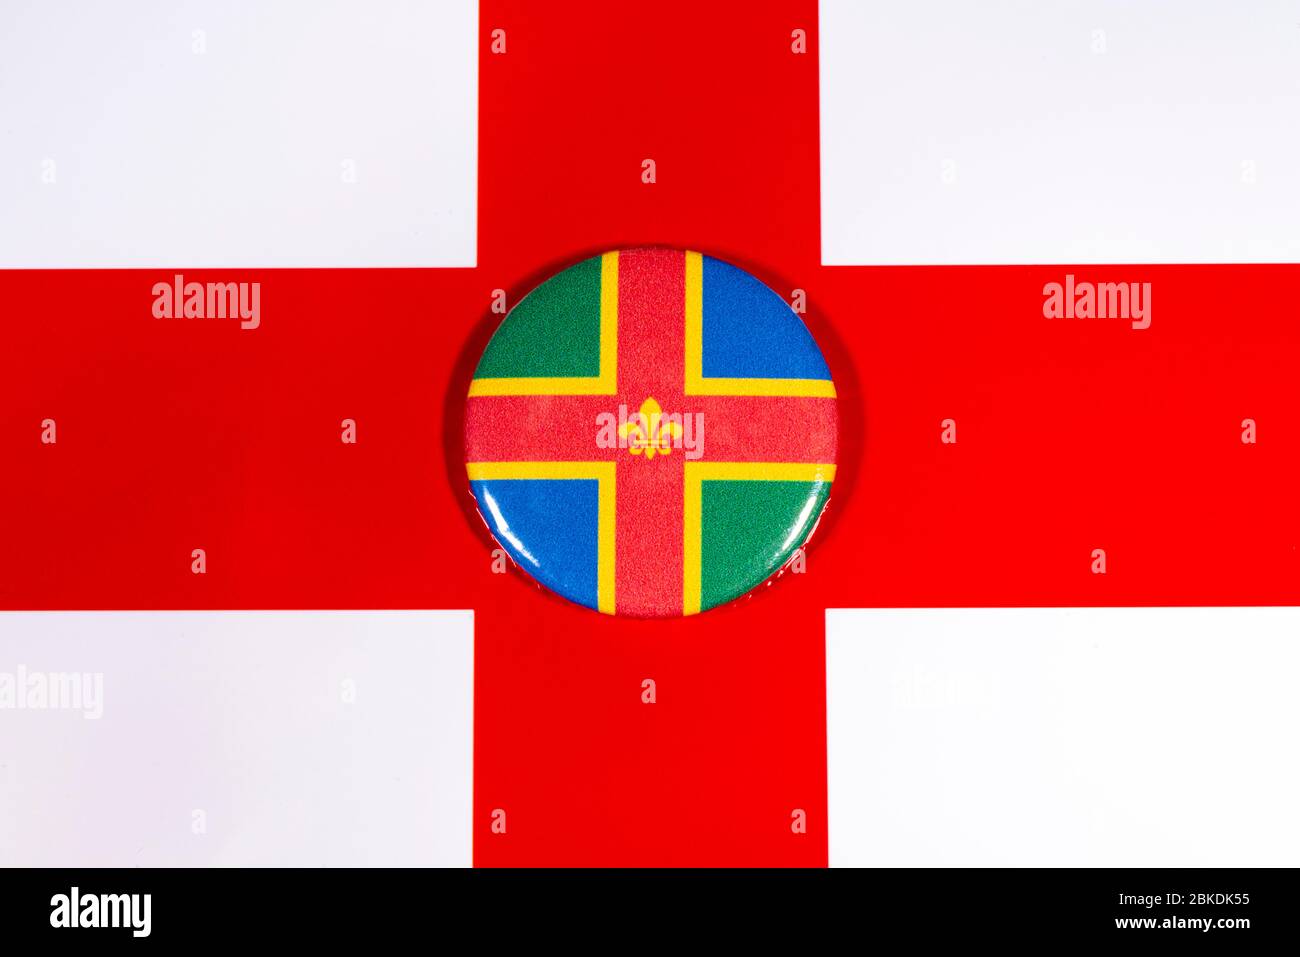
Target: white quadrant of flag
291,133
1046,737
1102,132
236,738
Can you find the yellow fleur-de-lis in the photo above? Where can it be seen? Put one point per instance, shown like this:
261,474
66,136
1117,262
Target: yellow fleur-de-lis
650,431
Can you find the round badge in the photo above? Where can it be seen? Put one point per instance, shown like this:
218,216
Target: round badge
651,433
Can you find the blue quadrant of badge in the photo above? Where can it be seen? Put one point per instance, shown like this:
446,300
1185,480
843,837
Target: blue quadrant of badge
752,333
552,529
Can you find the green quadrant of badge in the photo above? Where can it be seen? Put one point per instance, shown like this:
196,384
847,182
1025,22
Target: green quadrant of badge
554,331
746,534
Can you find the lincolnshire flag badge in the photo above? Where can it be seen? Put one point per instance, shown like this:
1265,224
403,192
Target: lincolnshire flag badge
651,433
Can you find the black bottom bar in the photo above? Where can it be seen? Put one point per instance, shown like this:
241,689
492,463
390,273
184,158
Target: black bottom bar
659,908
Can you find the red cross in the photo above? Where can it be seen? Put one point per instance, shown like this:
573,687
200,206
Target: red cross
712,772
